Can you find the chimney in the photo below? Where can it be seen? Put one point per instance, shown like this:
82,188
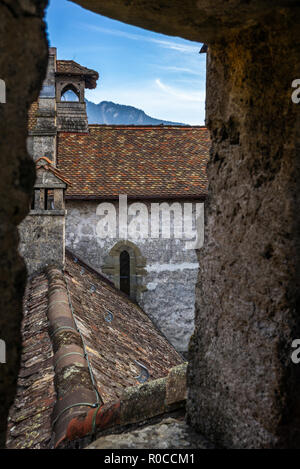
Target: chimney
42,233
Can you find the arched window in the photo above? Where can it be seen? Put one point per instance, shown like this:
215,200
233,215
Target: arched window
70,94
125,272
125,266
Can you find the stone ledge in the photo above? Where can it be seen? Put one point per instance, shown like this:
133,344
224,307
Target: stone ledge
170,433
137,404
43,132
47,212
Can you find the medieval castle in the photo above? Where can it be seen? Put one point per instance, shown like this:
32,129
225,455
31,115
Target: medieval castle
158,167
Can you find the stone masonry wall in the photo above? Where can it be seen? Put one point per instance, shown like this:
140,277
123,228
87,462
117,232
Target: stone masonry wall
170,271
42,138
42,241
23,62
243,386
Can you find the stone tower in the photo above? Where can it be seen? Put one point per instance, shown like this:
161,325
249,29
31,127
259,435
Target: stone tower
42,138
72,77
53,111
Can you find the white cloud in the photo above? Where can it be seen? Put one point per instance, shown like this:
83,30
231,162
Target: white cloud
195,96
180,47
179,69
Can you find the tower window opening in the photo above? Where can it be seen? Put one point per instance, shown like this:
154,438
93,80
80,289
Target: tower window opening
69,95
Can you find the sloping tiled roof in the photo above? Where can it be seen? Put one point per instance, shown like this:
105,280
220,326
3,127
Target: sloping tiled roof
45,163
116,331
55,385
69,67
138,404
29,424
147,161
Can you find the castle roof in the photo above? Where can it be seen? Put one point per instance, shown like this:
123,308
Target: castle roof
140,161
65,315
69,67
47,165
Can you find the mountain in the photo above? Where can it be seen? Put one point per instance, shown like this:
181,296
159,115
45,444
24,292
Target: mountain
110,113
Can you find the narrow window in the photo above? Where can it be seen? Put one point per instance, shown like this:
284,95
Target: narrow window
45,199
50,199
125,272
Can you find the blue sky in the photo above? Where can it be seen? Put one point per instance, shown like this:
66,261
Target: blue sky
162,75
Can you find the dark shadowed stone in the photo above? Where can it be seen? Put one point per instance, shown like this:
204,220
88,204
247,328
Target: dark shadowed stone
243,386
170,433
198,20
23,61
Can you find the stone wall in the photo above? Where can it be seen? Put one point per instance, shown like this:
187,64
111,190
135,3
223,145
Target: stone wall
42,138
23,62
166,282
244,388
72,117
42,240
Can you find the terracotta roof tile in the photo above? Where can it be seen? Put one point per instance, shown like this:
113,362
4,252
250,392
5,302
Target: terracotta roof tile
29,419
45,163
140,161
69,67
114,347
40,415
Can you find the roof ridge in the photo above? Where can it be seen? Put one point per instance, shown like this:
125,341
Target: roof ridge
45,163
67,342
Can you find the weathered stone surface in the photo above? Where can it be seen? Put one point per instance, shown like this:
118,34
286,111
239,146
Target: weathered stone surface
23,61
147,399
41,141
165,273
196,20
243,387
42,233
170,433
29,423
176,384
37,232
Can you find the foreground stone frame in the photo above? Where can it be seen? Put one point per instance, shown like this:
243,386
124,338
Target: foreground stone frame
243,388
23,63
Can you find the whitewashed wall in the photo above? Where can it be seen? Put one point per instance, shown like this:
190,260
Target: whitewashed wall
171,269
